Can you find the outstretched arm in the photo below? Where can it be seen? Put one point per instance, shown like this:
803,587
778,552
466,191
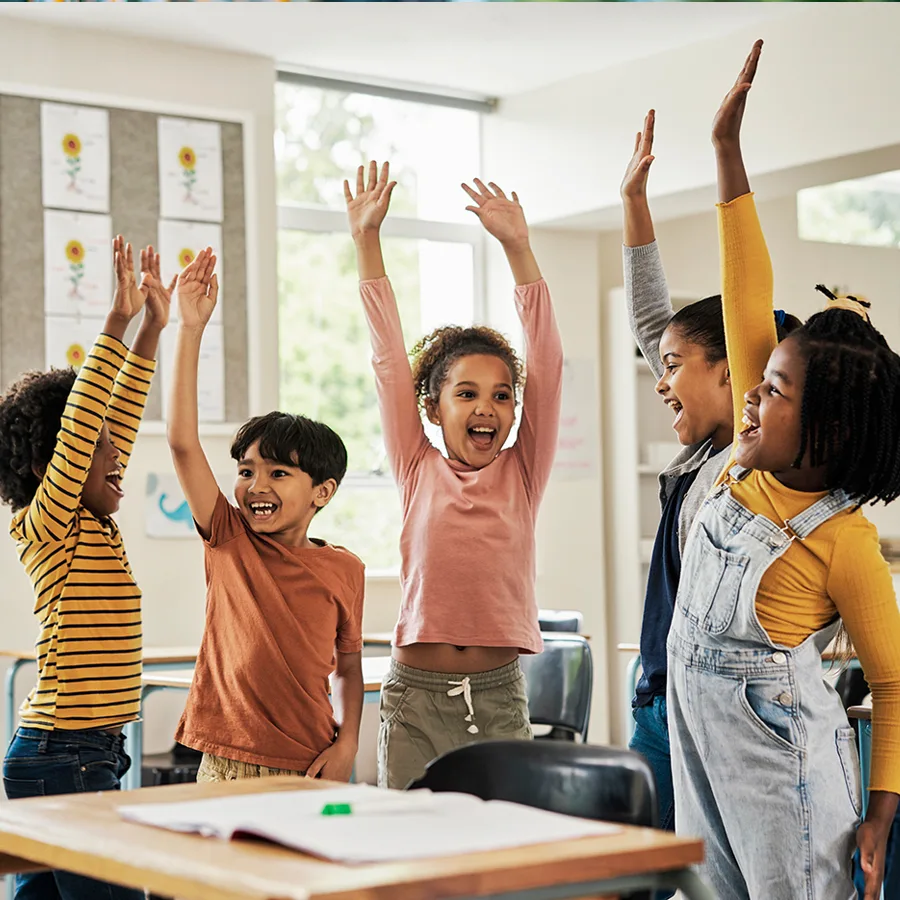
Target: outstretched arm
197,288
746,267
646,292
504,219
404,436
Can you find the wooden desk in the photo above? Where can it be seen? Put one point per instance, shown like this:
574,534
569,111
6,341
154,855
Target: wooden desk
374,671
83,833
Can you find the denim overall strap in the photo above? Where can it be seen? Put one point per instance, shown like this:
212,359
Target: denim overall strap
764,761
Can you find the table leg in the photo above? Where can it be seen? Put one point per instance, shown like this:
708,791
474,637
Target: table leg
11,673
134,744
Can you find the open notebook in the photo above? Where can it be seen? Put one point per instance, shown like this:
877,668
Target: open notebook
382,825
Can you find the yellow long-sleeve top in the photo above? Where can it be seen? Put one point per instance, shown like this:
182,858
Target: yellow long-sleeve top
85,598
838,570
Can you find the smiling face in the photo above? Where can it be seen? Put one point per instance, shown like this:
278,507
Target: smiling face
278,500
771,437
698,392
476,409
102,492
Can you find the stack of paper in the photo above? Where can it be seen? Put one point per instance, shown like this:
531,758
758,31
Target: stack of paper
381,825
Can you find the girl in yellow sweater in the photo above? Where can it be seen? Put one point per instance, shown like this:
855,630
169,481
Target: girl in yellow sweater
780,555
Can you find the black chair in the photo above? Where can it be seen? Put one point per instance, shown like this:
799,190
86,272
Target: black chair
601,783
178,765
559,685
560,620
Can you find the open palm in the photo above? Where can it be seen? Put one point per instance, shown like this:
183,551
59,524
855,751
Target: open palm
366,210
129,298
502,217
727,123
634,184
158,296
197,288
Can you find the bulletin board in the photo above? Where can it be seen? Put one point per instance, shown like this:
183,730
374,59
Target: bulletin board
134,207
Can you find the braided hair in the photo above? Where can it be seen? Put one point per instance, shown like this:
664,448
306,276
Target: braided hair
434,355
850,411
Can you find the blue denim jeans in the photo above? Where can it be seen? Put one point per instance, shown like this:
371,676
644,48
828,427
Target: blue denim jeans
651,740
42,763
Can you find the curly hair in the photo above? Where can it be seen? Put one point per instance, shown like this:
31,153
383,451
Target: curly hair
434,355
31,413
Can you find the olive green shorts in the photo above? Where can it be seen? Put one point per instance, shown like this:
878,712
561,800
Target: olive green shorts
426,714
218,768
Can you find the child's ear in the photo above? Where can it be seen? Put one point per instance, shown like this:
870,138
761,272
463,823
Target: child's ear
432,411
39,471
324,492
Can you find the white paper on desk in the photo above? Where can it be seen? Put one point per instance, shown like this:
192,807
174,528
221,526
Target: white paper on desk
190,170
210,374
384,826
75,157
78,264
179,243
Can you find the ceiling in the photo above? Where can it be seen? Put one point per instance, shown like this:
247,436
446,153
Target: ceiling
475,48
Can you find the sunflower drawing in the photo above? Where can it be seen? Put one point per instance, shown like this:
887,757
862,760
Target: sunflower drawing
75,356
186,257
188,160
75,256
71,145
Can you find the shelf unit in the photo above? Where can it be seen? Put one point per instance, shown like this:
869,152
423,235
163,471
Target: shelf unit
634,417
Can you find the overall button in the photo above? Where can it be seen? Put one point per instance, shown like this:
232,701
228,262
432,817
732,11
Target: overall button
779,658
786,699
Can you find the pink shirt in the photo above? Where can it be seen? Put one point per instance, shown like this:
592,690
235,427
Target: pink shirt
467,543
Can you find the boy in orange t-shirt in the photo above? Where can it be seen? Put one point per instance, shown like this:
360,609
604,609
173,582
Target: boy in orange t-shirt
280,605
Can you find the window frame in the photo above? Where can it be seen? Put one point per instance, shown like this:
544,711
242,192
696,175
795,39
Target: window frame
321,220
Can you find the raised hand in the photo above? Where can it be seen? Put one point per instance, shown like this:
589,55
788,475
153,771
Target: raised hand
197,288
158,296
634,184
501,217
726,128
366,211
129,298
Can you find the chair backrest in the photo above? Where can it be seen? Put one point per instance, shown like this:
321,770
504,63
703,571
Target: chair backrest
560,620
559,683
575,779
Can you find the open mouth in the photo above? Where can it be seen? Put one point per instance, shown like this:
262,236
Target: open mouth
676,408
751,427
262,510
114,480
482,436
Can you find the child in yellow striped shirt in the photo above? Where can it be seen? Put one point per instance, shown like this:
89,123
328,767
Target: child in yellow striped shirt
65,441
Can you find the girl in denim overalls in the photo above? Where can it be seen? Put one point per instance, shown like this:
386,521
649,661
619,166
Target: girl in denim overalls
764,761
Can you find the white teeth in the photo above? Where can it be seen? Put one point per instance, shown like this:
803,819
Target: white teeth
482,430
262,507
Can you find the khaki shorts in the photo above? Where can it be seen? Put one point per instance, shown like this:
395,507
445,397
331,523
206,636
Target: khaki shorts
218,768
426,714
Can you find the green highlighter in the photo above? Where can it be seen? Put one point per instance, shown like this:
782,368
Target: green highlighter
336,809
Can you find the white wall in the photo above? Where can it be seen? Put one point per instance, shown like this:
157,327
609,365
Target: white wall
39,60
824,78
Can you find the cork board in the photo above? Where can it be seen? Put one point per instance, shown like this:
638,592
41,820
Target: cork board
134,209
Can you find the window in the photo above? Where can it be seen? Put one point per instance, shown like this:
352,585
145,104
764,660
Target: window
863,211
433,256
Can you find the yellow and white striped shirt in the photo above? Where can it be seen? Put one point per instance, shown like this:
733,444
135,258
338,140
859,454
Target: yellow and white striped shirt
85,598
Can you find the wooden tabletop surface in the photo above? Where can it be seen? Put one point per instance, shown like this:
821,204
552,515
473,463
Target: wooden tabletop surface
83,833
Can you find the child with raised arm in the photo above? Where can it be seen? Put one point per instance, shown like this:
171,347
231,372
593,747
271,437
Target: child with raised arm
780,557
65,441
467,542
686,352
283,610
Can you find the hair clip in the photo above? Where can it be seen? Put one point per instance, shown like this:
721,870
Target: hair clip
848,301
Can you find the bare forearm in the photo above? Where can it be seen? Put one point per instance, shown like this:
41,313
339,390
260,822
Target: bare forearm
182,429
522,263
369,259
116,325
638,231
731,174
347,696
882,808
146,341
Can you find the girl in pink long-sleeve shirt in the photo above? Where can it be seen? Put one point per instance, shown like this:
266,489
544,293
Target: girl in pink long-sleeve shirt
467,543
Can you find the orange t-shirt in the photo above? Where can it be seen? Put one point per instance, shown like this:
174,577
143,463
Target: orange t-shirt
275,616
